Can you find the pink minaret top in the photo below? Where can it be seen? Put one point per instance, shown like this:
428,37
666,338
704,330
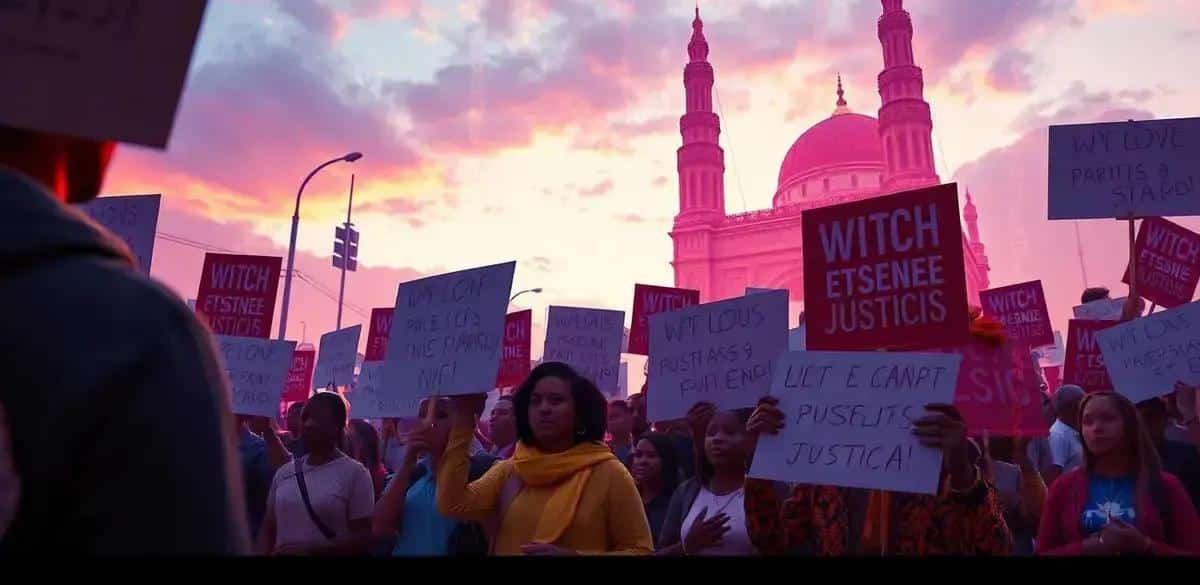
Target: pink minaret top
701,161
905,122
971,218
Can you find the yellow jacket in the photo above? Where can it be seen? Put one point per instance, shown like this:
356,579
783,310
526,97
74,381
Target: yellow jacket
609,518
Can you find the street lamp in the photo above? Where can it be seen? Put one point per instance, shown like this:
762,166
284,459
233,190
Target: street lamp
287,281
536,291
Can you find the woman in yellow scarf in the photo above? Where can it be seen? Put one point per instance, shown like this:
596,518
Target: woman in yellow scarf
563,491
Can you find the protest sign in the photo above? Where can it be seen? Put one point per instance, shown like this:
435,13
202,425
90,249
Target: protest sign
651,300
1022,310
1101,310
750,290
377,334
1052,355
132,218
849,419
1147,356
886,272
796,341
99,70
257,370
237,294
336,358
514,360
448,333
299,376
371,400
720,352
1054,375
1168,262
588,340
998,390
1125,169
1084,364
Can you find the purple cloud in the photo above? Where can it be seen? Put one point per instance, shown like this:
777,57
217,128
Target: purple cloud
1010,71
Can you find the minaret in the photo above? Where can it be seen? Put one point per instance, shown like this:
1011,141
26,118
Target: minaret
971,218
842,106
905,124
701,167
701,162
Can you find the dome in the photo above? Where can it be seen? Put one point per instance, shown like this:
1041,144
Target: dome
842,139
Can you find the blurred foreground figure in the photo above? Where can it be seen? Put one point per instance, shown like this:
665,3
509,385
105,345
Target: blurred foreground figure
118,418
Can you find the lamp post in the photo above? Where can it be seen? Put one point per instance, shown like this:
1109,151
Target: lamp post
536,291
287,281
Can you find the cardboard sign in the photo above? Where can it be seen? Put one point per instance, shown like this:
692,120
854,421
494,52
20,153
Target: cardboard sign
1168,262
370,400
588,340
720,352
377,335
1101,310
1147,356
1122,169
337,357
448,333
105,70
651,300
1022,310
1084,364
998,390
849,419
299,376
514,360
886,272
133,219
237,294
257,370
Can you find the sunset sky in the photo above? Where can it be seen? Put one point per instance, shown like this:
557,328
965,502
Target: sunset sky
545,130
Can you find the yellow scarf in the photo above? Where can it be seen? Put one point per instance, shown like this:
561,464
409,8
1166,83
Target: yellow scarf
569,471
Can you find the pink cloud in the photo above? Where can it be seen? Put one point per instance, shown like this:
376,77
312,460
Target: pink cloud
659,181
396,206
598,190
1010,71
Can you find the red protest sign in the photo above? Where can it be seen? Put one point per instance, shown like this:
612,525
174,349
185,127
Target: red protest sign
377,334
1053,376
299,376
651,300
237,294
886,273
998,390
1022,310
515,359
1084,366
1168,262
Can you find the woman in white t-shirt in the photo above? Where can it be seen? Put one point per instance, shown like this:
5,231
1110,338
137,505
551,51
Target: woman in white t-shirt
339,490
707,514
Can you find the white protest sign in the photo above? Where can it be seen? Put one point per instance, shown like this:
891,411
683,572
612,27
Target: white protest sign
336,358
849,419
1053,355
132,218
758,291
1101,310
447,333
369,400
1145,357
1122,169
796,338
720,353
257,369
588,340
105,70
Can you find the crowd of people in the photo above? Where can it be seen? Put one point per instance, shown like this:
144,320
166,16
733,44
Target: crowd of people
133,448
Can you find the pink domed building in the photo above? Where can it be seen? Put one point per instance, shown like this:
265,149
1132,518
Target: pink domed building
846,157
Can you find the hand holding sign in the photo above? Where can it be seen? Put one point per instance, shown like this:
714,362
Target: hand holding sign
944,429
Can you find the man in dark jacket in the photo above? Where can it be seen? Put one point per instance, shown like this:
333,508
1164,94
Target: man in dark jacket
120,417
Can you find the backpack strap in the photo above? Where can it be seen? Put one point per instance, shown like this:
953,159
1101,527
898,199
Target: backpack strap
308,503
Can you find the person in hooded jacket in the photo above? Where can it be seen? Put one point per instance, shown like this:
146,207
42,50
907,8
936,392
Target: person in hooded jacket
120,420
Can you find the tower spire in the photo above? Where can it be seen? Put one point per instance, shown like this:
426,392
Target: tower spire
842,106
698,47
905,121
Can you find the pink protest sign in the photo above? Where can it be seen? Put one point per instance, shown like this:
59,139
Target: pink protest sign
1168,262
1022,310
998,390
377,334
237,294
299,376
1084,366
651,300
515,359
